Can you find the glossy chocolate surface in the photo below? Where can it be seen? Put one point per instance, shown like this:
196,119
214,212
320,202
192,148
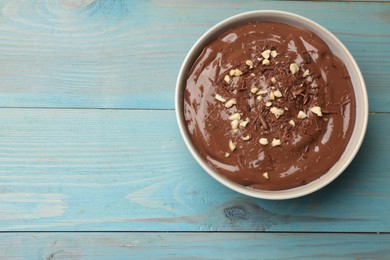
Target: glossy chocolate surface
308,149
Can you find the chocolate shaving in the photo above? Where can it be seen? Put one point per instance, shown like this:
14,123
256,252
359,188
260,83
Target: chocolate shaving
263,122
298,92
305,99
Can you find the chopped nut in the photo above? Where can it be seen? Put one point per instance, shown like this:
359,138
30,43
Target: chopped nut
235,130
220,98
235,116
259,97
237,73
234,124
246,138
227,155
316,110
301,115
274,54
230,103
273,80
286,108
249,63
268,104
232,146
254,90
294,68
276,142
266,54
291,122
266,175
253,74
243,123
306,73
277,94
263,141
271,95
265,62
261,92
228,79
277,111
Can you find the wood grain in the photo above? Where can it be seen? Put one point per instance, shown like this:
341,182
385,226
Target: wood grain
193,246
126,54
118,170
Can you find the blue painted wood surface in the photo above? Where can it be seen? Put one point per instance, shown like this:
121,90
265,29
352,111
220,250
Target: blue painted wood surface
89,142
194,246
126,54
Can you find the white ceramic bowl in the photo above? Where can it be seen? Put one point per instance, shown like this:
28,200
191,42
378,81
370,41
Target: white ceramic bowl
336,47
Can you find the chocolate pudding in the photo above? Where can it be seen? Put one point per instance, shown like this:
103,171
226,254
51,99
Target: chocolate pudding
269,106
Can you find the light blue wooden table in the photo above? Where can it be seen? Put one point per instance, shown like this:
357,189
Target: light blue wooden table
92,165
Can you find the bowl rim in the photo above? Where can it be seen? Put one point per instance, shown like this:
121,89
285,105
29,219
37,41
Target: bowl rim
264,194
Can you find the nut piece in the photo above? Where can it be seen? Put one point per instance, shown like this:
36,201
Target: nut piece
268,104
246,138
273,80
276,142
301,115
291,122
231,73
265,62
235,116
259,97
254,90
232,146
234,124
277,111
227,79
277,94
261,92
294,68
230,103
271,95
237,73
266,175
253,74
263,141
249,63
227,155
220,98
266,54
306,73
274,54
243,123
316,110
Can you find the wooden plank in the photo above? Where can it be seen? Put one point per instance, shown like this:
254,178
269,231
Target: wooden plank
65,169
193,246
126,54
